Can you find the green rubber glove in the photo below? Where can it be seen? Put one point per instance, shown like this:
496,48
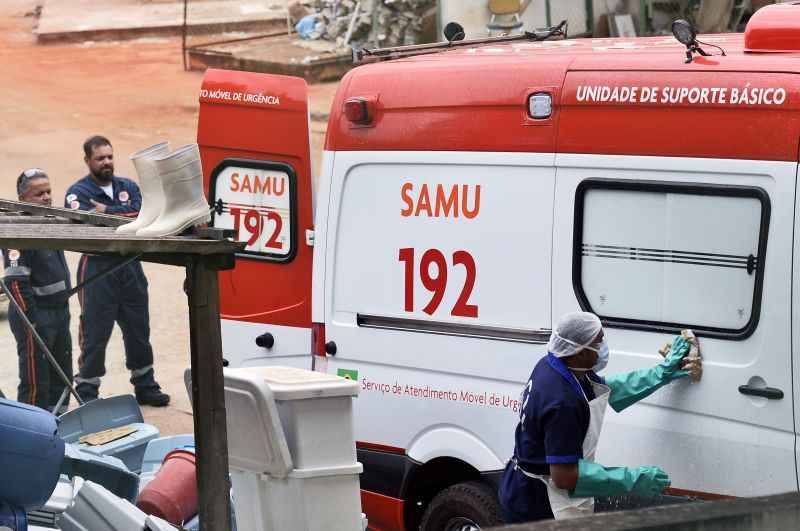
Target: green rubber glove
597,480
627,388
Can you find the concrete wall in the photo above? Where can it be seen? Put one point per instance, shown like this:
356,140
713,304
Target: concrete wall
474,15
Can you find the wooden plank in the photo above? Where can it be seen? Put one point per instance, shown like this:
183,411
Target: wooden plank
106,436
208,397
92,218
89,239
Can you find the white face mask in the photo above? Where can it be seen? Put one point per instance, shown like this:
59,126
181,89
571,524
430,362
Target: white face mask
602,356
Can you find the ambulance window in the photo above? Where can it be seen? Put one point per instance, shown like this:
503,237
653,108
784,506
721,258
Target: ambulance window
663,257
257,200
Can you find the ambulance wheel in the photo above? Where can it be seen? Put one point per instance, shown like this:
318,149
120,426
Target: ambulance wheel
467,506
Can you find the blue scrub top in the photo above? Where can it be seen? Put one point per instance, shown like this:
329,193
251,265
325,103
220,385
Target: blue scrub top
553,422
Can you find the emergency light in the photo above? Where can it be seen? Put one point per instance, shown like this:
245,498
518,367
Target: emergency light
357,111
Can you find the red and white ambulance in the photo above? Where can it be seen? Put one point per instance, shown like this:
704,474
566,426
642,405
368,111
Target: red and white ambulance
468,198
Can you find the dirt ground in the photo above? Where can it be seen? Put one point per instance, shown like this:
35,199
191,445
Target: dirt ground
135,93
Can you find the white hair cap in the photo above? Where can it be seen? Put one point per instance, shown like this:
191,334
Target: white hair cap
574,331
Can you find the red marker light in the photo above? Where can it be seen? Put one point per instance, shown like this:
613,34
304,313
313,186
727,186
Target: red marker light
357,111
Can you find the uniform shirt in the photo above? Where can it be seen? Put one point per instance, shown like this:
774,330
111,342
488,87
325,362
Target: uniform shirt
127,199
36,278
554,418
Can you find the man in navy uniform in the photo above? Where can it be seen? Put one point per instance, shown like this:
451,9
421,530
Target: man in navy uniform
38,281
118,297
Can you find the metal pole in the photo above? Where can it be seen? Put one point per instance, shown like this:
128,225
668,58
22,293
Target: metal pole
62,398
208,397
548,14
590,17
39,341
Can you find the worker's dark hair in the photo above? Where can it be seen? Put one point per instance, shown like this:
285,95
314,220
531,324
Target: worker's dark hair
25,178
93,142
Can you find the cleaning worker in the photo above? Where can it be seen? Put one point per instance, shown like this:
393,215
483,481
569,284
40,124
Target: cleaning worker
552,473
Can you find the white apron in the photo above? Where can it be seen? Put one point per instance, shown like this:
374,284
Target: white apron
561,504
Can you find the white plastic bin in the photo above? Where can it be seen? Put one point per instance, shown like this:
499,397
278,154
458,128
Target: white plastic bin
292,450
308,499
315,411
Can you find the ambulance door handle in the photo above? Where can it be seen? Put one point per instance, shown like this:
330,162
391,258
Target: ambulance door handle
766,392
330,348
265,340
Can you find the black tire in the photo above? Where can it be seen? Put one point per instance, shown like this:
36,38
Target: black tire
463,507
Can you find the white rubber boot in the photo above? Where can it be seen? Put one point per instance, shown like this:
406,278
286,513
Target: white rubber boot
150,184
185,203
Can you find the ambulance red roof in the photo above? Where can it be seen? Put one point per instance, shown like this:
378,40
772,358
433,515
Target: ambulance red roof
475,99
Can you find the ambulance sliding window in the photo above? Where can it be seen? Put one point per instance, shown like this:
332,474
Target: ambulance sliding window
663,256
257,200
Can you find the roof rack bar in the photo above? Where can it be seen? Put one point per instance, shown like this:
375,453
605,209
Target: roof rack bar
365,56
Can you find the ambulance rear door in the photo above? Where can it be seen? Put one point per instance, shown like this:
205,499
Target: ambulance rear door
674,209
254,139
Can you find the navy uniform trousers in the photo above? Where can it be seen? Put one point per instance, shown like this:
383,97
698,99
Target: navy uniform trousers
39,383
38,280
119,297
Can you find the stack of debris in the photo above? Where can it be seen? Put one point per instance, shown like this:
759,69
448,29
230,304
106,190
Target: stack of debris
99,467
377,23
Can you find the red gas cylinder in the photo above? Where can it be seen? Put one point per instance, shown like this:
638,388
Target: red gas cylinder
172,493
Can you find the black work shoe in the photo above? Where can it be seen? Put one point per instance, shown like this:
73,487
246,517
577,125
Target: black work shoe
151,396
87,392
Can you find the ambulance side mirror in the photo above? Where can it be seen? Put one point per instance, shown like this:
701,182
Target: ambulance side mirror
454,31
684,32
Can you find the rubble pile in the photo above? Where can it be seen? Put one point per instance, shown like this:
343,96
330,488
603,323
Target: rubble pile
375,23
